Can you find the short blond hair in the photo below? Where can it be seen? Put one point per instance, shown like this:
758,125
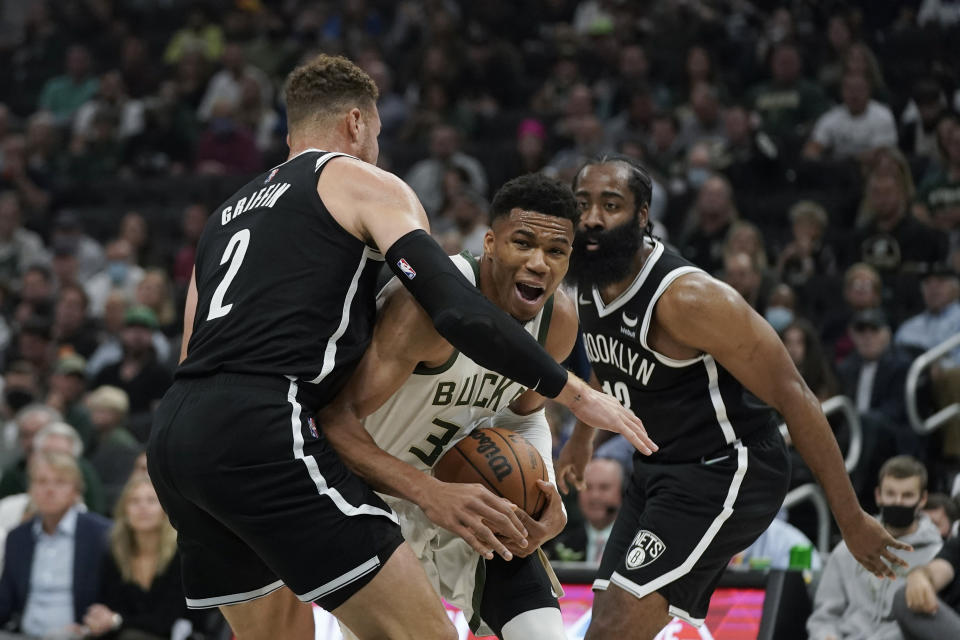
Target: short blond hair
62,463
109,397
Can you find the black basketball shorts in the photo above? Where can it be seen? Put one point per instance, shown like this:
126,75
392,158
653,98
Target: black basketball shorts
259,498
681,523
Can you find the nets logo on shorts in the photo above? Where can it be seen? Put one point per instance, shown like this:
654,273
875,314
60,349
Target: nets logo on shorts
406,268
644,549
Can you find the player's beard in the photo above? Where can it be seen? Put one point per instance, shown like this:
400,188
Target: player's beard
612,259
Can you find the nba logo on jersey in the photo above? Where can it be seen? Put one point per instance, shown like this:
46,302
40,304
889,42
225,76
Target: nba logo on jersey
406,268
312,425
270,177
646,548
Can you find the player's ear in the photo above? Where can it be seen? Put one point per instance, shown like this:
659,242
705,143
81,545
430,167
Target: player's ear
643,216
489,240
354,121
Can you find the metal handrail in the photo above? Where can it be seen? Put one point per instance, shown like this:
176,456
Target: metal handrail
922,362
844,405
813,493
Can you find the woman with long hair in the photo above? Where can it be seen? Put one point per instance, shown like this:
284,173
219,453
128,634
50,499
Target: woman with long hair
140,593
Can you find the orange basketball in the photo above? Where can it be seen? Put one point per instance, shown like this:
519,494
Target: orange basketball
502,461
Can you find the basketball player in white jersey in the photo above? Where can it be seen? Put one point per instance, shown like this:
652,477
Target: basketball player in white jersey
419,397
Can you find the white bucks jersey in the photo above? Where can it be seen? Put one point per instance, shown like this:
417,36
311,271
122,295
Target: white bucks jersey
437,407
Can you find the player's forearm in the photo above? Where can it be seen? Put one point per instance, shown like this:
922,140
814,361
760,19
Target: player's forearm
813,439
382,471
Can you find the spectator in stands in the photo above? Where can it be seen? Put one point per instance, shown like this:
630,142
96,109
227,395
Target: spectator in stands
111,96
19,247
51,573
941,319
874,377
600,502
467,214
748,157
68,383
114,449
97,153
255,116
923,614
665,151
191,226
802,343
862,289
860,60
63,95
32,186
21,387
226,86
391,105
944,512
72,328
64,264
67,228
29,420
426,176
588,142
134,229
704,122
853,604
788,104
225,146
140,590
939,195
854,128
634,121
155,293
808,262
43,144
840,36
120,273
743,272
712,214
200,35
33,343
918,128
139,373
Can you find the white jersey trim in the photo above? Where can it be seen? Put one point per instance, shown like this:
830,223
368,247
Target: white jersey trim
314,470
648,318
713,378
234,598
338,583
605,310
677,612
330,353
725,513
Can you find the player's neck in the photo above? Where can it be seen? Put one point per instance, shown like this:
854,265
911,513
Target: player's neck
612,291
331,140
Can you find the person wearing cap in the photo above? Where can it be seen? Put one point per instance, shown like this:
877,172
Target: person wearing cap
68,383
874,377
138,373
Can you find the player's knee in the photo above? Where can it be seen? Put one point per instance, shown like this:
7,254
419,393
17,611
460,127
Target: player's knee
545,623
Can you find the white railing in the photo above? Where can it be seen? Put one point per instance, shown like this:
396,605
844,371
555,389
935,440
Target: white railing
811,492
844,405
924,361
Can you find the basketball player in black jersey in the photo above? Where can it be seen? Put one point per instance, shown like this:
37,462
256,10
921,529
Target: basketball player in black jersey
702,370
279,311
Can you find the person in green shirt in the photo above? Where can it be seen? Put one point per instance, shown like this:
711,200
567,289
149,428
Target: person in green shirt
63,95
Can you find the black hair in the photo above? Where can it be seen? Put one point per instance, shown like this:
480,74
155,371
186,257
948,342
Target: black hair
639,182
535,192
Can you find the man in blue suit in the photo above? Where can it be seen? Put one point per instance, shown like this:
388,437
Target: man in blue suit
52,570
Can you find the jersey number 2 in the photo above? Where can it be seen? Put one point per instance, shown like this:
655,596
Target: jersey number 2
237,247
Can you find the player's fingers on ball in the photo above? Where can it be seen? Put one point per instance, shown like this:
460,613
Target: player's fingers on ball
474,543
506,524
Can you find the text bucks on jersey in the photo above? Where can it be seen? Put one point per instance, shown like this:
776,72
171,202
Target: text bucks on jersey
437,407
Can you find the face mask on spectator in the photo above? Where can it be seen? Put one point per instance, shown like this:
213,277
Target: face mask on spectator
696,176
117,271
898,515
779,317
17,398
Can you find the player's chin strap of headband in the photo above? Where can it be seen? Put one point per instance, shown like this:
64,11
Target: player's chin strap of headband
468,321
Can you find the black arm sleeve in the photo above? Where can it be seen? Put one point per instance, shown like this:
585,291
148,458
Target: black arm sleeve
468,320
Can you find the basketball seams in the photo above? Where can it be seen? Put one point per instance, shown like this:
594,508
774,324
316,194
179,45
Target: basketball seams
517,461
479,471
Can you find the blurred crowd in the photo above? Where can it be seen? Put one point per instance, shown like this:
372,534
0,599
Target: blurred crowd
806,152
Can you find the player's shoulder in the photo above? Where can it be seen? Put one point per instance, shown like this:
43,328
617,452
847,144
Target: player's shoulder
359,179
696,292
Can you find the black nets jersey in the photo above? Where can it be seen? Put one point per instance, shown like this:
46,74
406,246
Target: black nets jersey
690,408
282,288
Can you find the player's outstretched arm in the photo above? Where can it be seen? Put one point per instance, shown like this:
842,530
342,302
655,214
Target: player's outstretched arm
402,338
705,314
380,209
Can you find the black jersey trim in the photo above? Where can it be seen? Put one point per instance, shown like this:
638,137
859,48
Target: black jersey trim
546,315
604,310
423,370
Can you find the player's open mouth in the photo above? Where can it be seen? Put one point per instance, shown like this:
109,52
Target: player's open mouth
528,292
